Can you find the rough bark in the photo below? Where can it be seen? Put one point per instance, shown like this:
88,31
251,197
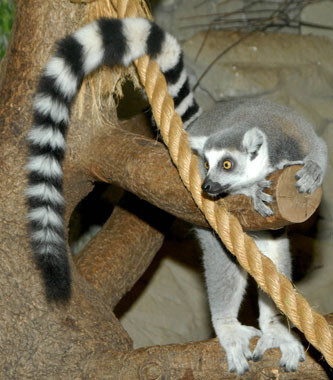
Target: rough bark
81,339
134,227
126,156
206,360
40,340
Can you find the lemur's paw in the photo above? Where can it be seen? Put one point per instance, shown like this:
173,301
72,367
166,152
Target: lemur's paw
235,338
309,178
260,198
278,336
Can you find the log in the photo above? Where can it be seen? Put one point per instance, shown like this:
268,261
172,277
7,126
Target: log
123,156
101,261
204,360
289,205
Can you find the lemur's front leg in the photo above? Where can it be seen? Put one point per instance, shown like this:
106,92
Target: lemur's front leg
261,199
226,283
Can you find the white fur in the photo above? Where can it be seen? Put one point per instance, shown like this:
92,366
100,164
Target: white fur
173,89
170,53
185,104
45,192
64,79
259,167
197,142
226,283
90,38
46,135
248,171
46,216
48,106
277,249
136,32
253,139
192,118
214,157
275,332
47,235
256,169
235,339
45,165
284,163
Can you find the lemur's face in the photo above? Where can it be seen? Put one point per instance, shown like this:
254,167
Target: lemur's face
227,169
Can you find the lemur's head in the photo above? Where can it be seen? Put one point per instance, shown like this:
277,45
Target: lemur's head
231,159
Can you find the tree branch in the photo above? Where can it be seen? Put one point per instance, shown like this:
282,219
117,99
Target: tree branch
198,360
117,257
143,167
55,341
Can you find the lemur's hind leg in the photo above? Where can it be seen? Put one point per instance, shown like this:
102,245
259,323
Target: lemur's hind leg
275,332
226,282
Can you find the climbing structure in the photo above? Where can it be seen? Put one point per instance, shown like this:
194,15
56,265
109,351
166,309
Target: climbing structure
292,304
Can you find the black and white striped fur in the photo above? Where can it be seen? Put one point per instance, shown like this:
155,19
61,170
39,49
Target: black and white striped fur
103,42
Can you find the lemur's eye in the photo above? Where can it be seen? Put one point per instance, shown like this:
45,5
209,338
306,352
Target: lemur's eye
206,165
227,165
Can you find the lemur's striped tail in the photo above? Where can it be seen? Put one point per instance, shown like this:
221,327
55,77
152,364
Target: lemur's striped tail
109,42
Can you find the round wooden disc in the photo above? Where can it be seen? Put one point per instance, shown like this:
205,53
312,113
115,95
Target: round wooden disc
294,206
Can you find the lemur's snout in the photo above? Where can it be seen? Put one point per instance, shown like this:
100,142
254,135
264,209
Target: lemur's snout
213,188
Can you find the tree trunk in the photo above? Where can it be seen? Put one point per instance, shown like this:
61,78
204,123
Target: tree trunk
83,339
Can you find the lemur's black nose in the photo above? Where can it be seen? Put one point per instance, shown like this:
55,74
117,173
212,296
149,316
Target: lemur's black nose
211,187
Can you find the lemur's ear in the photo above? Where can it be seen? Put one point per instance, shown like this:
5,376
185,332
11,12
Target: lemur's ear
197,143
252,141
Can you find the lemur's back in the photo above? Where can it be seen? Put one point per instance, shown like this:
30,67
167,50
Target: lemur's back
285,129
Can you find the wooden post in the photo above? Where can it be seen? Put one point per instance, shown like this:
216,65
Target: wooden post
289,205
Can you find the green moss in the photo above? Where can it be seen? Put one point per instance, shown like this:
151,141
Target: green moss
6,22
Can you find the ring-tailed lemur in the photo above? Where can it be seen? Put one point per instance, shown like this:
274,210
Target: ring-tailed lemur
238,144
241,142
249,159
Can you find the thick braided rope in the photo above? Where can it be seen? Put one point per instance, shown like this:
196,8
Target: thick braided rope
262,269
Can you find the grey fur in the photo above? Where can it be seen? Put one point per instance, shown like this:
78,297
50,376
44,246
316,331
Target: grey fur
250,128
226,282
257,138
239,116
